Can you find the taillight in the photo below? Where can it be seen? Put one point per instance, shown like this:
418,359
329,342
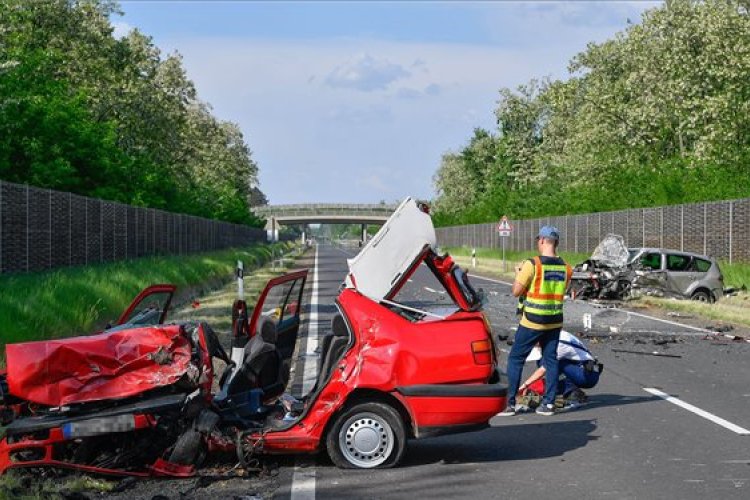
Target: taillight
482,350
488,326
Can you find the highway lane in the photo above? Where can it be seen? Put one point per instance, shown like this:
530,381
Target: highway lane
626,443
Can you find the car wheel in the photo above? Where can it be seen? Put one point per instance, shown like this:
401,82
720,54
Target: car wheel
367,436
190,448
187,450
702,296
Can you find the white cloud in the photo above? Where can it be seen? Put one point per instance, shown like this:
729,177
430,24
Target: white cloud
315,142
365,73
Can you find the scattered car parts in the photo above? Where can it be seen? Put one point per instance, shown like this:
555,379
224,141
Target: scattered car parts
615,272
137,400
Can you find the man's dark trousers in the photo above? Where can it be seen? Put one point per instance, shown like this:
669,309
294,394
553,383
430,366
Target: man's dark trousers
525,340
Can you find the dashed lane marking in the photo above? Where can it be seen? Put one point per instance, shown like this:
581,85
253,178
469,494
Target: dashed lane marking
702,413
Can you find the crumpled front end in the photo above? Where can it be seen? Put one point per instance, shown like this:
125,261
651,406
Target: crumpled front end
98,367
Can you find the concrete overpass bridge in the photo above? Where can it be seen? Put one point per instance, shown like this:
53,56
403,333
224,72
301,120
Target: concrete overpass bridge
325,213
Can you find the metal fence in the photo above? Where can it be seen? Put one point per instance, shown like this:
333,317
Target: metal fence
720,229
43,229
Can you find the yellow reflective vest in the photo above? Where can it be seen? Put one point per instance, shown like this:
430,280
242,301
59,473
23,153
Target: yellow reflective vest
543,304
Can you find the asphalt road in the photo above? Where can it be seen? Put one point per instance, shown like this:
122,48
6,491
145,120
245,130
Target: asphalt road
626,442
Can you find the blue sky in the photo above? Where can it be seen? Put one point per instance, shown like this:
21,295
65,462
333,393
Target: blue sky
357,101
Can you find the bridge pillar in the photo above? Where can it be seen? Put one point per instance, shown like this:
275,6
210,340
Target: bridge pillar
364,234
304,234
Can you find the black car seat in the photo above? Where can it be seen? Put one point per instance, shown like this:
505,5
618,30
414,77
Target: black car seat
261,368
332,348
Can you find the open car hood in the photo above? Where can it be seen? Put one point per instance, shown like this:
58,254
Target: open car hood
611,251
384,262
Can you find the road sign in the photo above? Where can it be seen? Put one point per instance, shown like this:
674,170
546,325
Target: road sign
504,228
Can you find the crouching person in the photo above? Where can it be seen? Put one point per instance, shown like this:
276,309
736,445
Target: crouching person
578,369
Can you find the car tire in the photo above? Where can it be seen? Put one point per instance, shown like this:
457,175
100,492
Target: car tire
702,296
187,450
367,436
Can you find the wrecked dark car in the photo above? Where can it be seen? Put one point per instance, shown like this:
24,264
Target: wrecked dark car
616,272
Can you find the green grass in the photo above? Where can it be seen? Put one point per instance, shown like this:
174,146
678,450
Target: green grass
732,309
736,274
18,485
79,300
489,260
729,309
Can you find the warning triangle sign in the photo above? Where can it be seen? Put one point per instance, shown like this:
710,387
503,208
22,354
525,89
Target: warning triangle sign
505,224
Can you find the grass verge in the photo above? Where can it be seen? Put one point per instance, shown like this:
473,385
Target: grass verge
489,260
78,300
730,309
17,485
736,274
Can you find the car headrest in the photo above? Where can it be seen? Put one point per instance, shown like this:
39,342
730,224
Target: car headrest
268,331
338,326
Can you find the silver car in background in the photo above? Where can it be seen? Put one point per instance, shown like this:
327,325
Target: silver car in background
672,273
615,272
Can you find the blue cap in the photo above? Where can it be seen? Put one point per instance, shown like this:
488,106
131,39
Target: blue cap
550,233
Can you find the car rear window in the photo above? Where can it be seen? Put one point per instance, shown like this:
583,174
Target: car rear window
702,265
677,262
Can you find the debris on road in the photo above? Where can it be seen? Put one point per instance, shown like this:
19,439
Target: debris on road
647,353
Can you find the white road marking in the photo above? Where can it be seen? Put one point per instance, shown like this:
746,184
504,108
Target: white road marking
629,313
310,372
303,480
303,483
670,322
475,277
431,290
702,413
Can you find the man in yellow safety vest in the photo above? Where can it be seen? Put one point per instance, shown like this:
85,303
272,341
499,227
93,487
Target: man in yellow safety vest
541,282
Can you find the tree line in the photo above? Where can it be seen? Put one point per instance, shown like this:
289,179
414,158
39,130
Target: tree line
659,114
87,112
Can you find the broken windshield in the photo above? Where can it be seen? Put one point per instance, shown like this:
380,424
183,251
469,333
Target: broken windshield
612,251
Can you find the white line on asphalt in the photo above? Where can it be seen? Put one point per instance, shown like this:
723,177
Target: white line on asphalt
474,276
670,322
702,413
310,371
631,313
303,479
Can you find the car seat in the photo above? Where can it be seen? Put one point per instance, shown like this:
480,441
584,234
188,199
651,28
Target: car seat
261,367
332,347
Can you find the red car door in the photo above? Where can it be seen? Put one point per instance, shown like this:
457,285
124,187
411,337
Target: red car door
280,303
150,307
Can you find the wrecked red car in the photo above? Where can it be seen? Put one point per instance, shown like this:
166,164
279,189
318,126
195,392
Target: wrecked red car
137,399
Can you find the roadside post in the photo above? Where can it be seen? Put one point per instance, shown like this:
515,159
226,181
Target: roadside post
473,257
504,230
272,235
